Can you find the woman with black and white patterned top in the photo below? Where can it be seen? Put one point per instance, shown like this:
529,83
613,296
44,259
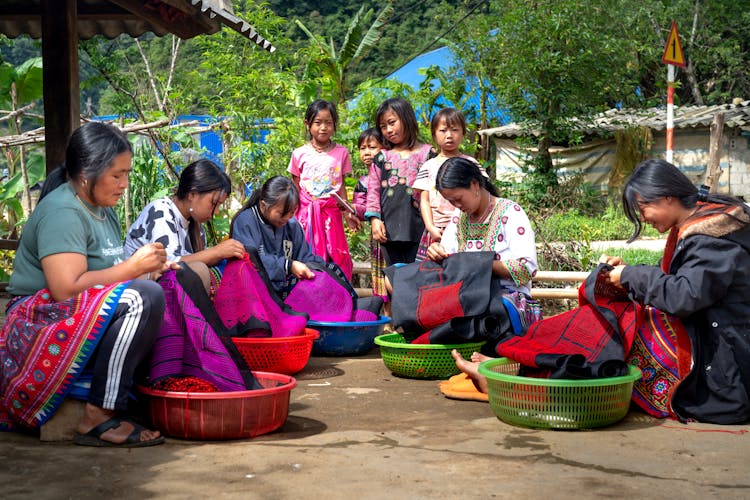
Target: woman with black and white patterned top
177,221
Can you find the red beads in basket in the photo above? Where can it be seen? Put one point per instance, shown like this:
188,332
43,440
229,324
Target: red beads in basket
287,355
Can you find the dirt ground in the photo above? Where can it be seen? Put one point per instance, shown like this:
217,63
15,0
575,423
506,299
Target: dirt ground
355,430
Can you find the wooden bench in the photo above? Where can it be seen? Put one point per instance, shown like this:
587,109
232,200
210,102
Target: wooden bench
571,279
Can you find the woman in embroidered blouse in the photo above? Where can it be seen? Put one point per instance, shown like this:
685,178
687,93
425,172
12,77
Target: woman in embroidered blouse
485,222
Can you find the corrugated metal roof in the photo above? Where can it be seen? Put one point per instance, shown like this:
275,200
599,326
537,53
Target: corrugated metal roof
184,18
736,115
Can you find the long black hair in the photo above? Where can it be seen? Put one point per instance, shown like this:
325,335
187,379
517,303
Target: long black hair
91,150
654,179
402,108
202,176
458,173
316,107
276,189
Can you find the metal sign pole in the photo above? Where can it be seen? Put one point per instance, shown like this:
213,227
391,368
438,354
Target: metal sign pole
670,112
672,57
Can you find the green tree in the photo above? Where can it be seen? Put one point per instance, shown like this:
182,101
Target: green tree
20,90
326,73
551,60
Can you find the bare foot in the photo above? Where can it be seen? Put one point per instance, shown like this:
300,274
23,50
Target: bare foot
478,357
471,369
94,415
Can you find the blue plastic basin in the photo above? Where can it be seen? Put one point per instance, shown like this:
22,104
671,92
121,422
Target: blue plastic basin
346,338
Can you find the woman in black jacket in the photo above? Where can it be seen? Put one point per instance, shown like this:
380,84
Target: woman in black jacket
704,279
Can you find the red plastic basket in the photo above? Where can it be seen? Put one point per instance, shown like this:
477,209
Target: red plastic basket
279,355
222,415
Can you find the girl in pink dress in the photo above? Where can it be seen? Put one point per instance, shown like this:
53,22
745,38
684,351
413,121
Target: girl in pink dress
318,169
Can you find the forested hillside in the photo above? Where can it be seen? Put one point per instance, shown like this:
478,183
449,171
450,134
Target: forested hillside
417,25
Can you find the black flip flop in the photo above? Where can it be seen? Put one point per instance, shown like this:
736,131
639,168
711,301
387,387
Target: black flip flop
93,437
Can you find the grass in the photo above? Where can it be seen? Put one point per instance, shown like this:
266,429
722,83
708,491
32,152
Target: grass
633,256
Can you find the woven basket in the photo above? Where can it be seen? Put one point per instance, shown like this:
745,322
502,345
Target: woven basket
556,403
222,415
286,355
421,360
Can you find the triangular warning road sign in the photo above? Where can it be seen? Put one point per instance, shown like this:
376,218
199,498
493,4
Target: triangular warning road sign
673,51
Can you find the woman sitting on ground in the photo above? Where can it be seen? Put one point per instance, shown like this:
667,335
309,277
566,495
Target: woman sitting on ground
177,221
499,231
703,281
77,302
266,223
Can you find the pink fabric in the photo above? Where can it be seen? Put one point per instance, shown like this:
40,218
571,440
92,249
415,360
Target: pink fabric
243,296
324,228
320,173
362,315
322,298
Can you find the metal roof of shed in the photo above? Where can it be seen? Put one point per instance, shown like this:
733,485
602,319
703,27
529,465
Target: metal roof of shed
110,18
737,115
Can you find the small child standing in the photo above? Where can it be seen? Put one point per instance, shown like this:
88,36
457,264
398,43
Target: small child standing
392,203
448,128
318,169
369,145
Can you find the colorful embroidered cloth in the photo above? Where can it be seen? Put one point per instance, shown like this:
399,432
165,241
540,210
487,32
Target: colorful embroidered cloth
44,347
661,349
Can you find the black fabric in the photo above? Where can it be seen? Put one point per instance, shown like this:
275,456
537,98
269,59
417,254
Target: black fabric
399,252
457,301
373,304
399,209
138,349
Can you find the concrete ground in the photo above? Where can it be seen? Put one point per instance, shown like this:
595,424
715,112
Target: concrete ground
356,431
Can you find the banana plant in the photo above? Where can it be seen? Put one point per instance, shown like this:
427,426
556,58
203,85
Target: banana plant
20,88
326,71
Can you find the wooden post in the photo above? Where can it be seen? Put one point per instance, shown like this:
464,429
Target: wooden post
713,169
62,97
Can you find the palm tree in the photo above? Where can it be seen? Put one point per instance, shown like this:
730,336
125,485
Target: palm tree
325,73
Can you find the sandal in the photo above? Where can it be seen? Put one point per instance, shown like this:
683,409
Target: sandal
461,387
93,437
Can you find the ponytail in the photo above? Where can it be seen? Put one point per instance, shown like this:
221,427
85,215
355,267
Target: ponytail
55,178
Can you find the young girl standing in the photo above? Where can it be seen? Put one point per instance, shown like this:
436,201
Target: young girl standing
448,128
318,169
392,203
369,145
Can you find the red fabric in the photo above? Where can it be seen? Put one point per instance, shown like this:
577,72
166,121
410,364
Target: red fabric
587,330
439,304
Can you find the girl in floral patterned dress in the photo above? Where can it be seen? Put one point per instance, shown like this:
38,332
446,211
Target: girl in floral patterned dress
392,202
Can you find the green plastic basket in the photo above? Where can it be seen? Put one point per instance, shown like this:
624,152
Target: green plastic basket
556,403
428,361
